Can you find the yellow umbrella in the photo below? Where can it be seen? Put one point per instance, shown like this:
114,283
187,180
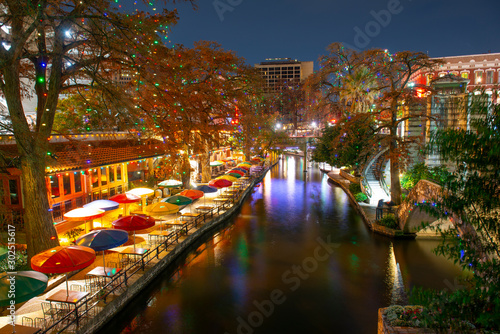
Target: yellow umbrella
227,177
161,209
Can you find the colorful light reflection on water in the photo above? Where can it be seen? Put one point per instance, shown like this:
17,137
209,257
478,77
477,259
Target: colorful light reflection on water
270,249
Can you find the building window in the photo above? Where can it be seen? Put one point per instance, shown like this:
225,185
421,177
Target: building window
66,184
111,174
78,182
14,192
54,186
479,77
119,173
104,177
95,178
465,75
489,77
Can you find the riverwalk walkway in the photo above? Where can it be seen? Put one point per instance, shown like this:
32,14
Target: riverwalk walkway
369,210
126,274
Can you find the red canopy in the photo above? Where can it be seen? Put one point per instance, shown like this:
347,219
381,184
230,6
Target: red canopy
63,259
192,193
134,223
220,183
125,198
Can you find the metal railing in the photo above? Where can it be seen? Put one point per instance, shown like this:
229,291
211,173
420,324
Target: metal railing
89,306
384,185
366,185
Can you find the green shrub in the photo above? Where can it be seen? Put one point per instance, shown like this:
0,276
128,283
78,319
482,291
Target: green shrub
409,315
21,262
354,188
360,197
389,221
421,171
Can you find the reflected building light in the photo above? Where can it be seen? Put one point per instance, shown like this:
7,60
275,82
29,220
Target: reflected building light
395,279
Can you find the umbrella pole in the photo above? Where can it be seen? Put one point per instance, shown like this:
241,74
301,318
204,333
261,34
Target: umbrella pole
103,262
134,240
67,289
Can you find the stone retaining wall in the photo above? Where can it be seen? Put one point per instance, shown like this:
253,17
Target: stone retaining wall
354,202
349,177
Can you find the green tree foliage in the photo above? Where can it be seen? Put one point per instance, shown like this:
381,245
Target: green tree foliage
348,143
52,47
350,81
471,198
420,171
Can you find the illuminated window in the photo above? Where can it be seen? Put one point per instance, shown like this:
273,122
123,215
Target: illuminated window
66,184
479,77
119,173
111,174
14,192
78,182
95,178
465,75
104,177
54,186
489,77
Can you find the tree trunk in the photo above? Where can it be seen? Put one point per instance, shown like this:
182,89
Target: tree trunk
206,170
40,231
394,156
186,170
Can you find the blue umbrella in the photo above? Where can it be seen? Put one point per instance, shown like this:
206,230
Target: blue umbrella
103,204
101,240
206,190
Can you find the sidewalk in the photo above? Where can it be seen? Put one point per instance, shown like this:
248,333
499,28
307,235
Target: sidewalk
369,210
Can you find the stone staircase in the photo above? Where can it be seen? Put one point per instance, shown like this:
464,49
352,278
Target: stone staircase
374,182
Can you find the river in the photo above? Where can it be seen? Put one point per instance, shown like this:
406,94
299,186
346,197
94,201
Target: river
297,259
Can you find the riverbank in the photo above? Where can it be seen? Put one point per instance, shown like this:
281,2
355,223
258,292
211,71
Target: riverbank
113,308
367,211
104,297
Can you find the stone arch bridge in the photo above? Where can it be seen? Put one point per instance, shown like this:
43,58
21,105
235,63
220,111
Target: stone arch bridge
411,216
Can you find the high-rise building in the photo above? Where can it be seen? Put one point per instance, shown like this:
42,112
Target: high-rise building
284,72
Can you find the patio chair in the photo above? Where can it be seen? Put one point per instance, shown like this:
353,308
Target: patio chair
40,323
27,321
49,310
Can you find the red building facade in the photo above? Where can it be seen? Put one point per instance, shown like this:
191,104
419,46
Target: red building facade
482,71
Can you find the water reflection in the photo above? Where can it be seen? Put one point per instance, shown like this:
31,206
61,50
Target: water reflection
221,285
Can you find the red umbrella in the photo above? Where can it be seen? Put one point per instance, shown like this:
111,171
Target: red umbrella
192,193
134,223
63,259
125,198
220,183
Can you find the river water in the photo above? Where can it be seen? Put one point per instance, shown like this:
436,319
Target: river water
297,259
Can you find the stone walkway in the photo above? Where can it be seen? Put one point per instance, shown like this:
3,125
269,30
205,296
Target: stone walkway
369,209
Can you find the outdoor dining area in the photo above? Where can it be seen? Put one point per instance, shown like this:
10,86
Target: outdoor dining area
122,237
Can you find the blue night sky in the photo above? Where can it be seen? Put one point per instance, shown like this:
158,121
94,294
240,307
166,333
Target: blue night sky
258,29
